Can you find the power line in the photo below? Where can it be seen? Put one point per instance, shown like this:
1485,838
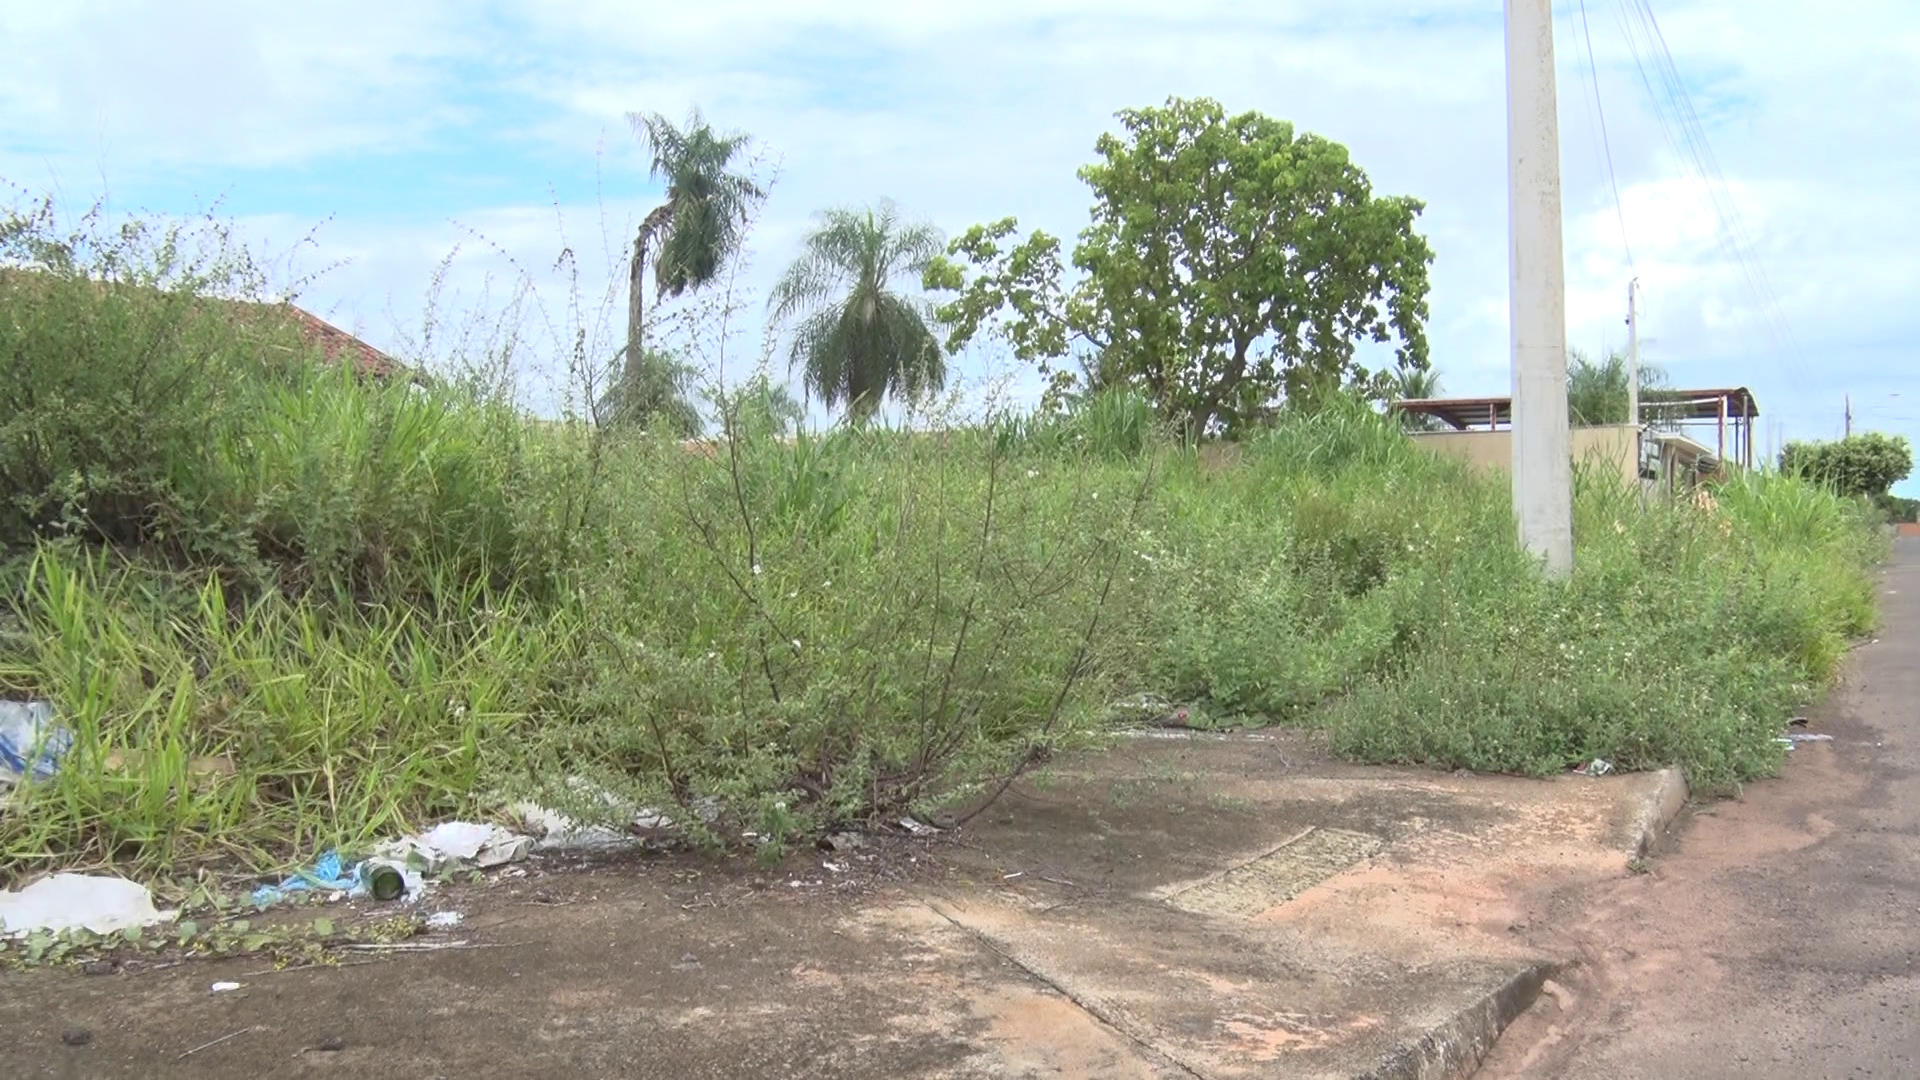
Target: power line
1606,144
1687,137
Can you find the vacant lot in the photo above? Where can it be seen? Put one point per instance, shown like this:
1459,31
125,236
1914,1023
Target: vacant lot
370,605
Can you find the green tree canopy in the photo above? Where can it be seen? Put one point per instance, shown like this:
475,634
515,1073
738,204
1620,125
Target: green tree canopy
1866,464
1597,389
1230,263
856,339
699,226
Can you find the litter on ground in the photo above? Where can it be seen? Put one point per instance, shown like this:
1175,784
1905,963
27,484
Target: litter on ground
400,869
457,844
63,902
31,742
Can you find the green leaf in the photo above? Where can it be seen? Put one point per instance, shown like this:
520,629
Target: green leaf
323,927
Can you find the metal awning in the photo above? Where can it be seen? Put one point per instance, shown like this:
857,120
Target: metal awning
1462,414
1689,449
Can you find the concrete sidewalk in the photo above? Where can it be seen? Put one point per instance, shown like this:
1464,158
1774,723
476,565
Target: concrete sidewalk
1779,935
1205,906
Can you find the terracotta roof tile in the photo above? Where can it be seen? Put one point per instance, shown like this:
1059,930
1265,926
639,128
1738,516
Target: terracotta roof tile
334,342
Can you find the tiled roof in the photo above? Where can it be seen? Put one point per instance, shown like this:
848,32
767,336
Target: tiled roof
335,343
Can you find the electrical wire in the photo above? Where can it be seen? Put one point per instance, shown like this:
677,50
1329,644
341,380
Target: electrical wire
1687,137
1606,144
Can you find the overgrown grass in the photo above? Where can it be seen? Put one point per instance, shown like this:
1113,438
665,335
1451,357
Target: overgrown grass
282,608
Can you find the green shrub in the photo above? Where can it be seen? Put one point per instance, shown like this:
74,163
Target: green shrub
1867,464
1685,636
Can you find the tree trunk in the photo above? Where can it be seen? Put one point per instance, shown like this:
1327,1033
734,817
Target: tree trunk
632,369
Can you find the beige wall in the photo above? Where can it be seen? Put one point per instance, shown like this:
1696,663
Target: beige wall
1601,447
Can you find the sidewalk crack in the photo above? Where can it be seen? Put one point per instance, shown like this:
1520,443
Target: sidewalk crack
1105,1015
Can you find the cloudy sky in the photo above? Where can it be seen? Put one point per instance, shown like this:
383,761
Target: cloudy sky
406,129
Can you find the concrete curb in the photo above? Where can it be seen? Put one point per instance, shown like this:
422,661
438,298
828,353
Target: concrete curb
1455,1049
1659,811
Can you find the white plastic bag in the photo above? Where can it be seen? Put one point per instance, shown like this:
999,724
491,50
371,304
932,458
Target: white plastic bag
104,905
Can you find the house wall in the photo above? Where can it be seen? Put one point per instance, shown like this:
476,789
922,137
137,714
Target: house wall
1610,447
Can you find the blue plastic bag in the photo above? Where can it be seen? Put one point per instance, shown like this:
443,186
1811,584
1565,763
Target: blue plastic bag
31,744
327,874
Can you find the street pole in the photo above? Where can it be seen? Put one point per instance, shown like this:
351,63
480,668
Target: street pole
1633,372
1542,444
1849,401
1633,356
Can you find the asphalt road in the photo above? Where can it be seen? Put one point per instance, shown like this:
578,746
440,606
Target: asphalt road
1777,934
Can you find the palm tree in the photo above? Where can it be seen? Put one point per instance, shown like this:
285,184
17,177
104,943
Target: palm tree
759,407
858,341
1415,384
657,397
699,226
1597,389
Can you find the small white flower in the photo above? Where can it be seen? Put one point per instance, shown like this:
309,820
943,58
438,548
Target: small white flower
756,569
1033,474
796,644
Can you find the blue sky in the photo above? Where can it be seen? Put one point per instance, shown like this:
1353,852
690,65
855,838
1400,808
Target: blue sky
404,130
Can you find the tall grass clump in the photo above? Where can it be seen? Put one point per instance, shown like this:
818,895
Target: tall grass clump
1274,578
845,624
280,605
1688,633
1332,573
208,730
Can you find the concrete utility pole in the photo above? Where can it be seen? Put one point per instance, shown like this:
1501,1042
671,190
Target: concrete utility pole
1633,356
1849,401
1542,444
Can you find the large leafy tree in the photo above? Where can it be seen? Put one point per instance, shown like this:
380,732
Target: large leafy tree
1230,264
855,337
1866,464
688,238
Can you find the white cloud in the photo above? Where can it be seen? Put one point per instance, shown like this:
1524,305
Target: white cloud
139,85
